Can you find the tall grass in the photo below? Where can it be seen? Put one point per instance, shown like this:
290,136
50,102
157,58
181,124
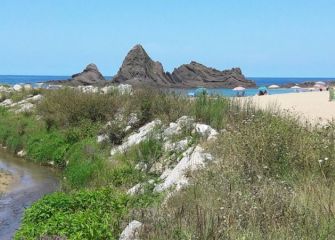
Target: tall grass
273,179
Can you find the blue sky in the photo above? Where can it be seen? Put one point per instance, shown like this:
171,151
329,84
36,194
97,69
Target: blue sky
294,38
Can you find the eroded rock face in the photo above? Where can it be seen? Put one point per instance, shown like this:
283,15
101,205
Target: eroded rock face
90,76
142,134
196,74
193,159
139,69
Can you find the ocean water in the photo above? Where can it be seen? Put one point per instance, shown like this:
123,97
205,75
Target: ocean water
260,81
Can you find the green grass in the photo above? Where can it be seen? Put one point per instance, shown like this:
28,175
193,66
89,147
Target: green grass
267,183
79,215
273,177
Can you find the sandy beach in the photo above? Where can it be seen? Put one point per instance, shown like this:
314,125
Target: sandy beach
314,107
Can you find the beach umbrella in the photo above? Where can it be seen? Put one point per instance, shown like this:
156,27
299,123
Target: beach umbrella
295,87
320,83
274,86
262,88
239,89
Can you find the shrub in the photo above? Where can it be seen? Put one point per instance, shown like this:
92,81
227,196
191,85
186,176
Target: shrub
85,162
48,147
68,107
79,215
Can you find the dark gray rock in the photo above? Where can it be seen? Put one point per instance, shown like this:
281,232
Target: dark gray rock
139,69
196,74
90,76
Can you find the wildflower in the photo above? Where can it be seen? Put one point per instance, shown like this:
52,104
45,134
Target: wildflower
320,161
326,159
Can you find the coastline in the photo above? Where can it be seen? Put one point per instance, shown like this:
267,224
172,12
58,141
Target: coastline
314,107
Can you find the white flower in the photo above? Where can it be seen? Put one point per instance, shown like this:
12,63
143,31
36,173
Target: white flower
326,158
320,161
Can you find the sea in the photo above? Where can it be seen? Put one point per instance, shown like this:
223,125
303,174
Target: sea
260,81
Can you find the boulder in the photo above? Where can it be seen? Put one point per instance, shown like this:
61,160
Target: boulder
6,103
25,107
22,153
131,232
142,134
17,87
193,159
206,131
88,89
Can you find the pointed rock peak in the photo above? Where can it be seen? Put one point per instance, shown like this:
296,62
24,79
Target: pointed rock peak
195,63
91,67
138,47
137,51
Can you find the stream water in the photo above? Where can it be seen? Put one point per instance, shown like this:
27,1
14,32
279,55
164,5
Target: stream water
34,182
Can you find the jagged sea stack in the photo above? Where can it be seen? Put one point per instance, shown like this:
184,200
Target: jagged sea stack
196,74
139,69
90,76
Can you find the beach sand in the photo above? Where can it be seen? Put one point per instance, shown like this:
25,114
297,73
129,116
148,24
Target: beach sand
314,107
7,180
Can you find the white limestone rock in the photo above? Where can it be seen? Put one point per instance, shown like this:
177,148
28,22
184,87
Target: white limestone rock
138,137
101,138
125,88
107,89
206,131
25,107
36,98
131,232
135,189
193,159
183,123
6,103
17,87
179,146
21,153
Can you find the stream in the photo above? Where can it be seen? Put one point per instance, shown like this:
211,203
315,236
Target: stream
34,181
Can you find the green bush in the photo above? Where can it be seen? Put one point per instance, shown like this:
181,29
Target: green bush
48,147
80,215
68,107
85,161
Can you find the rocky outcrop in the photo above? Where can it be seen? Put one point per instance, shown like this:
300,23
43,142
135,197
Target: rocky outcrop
196,74
139,69
142,134
193,159
90,76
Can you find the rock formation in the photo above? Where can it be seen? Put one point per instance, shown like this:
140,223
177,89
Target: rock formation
139,69
196,74
90,76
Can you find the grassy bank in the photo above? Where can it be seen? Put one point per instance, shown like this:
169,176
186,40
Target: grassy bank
272,179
